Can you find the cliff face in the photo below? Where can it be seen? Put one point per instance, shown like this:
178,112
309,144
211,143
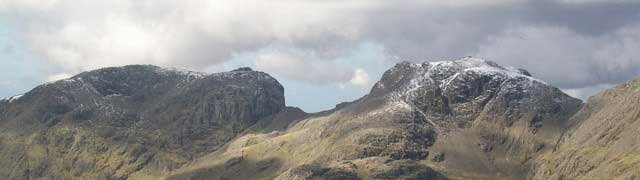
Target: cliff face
116,122
603,142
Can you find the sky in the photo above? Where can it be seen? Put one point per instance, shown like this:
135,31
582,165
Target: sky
323,51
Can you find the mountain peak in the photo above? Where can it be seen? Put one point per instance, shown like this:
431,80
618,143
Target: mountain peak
406,75
243,69
481,66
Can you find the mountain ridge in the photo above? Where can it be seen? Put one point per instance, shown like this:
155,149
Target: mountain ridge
462,119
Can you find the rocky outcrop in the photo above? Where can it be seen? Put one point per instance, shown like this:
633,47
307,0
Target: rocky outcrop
128,122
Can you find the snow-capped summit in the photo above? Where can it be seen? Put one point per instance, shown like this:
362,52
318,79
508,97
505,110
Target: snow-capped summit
406,76
442,89
483,66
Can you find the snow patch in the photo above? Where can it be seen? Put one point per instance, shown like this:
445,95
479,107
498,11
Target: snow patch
13,98
191,74
447,81
442,73
509,74
457,67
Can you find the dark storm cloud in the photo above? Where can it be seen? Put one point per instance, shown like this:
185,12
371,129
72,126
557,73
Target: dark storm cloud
589,18
415,30
570,44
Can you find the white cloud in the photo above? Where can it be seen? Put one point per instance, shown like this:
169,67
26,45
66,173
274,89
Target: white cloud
82,35
360,78
56,77
38,5
78,36
586,92
597,1
298,65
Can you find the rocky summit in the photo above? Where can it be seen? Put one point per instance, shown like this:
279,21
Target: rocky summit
461,119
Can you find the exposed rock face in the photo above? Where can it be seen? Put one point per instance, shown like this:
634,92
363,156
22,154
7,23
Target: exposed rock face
115,123
603,142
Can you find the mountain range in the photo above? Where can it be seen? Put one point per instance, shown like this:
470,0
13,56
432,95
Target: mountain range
461,119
